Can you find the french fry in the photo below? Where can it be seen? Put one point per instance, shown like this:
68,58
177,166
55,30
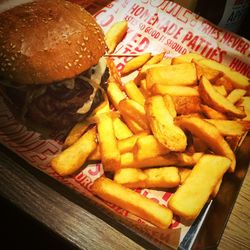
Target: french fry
124,146
121,129
148,147
114,75
221,89
212,113
211,74
172,159
132,124
159,89
143,88
235,95
226,82
230,128
186,58
132,202
179,74
210,135
135,111
75,133
218,101
135,63
71,159
110,154
115,34
162,125
238,80
245,103
186,104
184,173
170,105
155,59
166,61
115,94
130,177
165,177
134,92
192,195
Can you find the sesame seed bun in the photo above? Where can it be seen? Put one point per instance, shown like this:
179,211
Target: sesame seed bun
48,41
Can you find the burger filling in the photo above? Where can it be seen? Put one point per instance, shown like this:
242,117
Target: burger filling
61,104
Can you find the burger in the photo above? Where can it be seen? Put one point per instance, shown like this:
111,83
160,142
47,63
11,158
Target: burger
52,69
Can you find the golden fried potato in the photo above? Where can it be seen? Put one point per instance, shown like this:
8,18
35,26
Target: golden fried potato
115,34
179,74
133,202
218,101
192,195
71,159
162,125
210,135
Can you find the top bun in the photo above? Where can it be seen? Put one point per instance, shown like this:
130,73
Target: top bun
48,41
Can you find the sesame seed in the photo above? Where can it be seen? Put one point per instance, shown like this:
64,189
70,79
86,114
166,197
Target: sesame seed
66,67
85,38
77,52
69,64
80,56
88,56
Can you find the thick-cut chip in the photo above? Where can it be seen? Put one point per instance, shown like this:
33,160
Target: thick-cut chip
236,95
179,74
212,113
114,75
135,63
75,133
245,103
148,147
134,92
186,58
230,128
133,202
124,146
165,177
110,154
185,105
218,101
210,135
71,159
162,125
159,89
184,173
226,82
132,124
237,79
170,105
121,129
193,194
172,159
130,177
115,94
115,34
155,59
135,111
211,74
221,89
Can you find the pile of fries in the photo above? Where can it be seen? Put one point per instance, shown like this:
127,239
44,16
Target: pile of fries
175,125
